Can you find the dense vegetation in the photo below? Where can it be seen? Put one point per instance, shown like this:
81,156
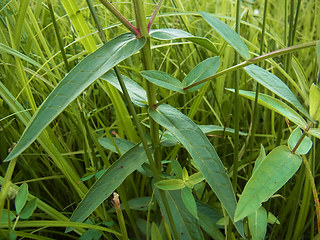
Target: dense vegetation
202,116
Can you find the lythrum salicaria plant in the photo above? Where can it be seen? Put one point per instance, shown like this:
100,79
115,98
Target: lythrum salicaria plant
191,199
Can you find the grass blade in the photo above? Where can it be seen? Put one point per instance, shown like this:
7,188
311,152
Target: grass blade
80,77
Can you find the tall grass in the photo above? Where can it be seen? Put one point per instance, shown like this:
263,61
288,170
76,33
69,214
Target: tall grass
40,41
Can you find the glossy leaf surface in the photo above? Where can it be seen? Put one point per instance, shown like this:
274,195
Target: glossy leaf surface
228,34
275,85
108,182
275,105
78,79
202,152
274,171
203,70
174,34
258,221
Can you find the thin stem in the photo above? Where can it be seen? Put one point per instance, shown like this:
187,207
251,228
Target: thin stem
154,14
121,18
304,134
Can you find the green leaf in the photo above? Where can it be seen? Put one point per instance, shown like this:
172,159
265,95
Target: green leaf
228,34
122,144
258,222
138,204
202,152
274,171
305,145
21,197
272,219
108,182
187,225
194,179
318,52
176,168
155,232
28,209
78,79
275,105
275,85
164,80
171,184
203,70
174,34
214,128
4,217
315,132
260,158
189,201
137,94
314,101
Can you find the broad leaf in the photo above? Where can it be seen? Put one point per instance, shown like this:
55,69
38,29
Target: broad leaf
275,105
108,182
137,94
275,85
202,152
258,222
194,179
189,201
314,100
203,70
260,158
21,197
228,34
305,145
28,209
187,225
78,79
122,144
174,34
164,80
170,184
274,171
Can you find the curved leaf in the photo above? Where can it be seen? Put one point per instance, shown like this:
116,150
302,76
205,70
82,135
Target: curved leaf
137,94
314,101
203,70
315,132
122,144
170,184
164,80
228,34
108,182
274,171
258,222
275,85
21,198
202,152
173,34
78,79
305,145
275,105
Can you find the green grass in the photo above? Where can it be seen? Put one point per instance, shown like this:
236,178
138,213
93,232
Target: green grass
36,56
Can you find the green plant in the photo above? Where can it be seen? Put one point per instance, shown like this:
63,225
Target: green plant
141,145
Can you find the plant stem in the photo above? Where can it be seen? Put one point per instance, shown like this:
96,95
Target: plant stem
304,134
154,14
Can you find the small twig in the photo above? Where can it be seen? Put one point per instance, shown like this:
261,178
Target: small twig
154,14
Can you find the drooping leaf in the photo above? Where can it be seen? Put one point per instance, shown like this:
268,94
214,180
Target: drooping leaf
137,94
305,145
202,152
28,209
274,171
203,70
258,221
164,80
260,158
275,105
78,79
189,201
214,128
155,232
108,182
170,184
187,225
21,197
314,100
275,85
174,34
122,144
228,34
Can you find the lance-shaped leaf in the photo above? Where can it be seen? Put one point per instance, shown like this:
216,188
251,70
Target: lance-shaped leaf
275,85
203,70
108,182
163,79
275,105
202,152
137,94
314,100
78,79
258,222
174,34
274,171
122,144
228,34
